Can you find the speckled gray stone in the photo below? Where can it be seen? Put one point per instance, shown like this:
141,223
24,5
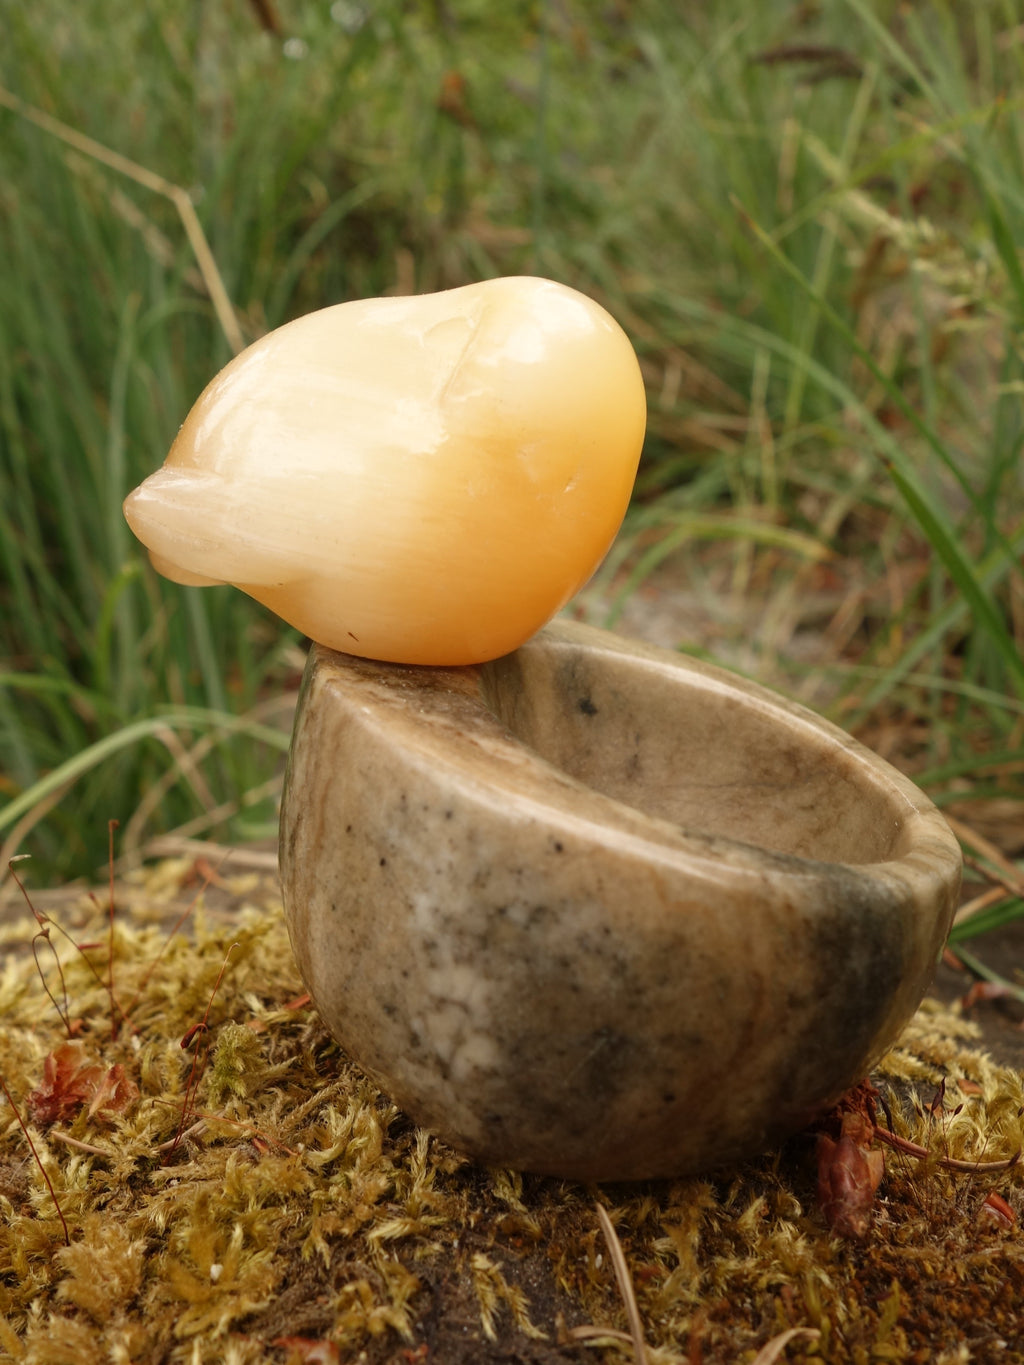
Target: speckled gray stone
599,910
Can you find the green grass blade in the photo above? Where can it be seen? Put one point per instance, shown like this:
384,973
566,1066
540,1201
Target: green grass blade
182,718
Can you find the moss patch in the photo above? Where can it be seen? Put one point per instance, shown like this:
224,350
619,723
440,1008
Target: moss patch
252,1197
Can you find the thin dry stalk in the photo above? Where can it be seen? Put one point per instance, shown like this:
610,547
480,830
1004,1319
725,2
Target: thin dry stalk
172,1144
1013,882
208,1116
993,896
63,1006
149,180
771,1350
219,814
625,1284
588,1332
174,846
79,1146
111,827
949,1163
198,1031
38,1160
28,822
186,764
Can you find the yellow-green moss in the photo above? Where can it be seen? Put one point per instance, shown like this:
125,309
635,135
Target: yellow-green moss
291,1203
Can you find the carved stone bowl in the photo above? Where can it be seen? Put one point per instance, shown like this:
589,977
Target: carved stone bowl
599,910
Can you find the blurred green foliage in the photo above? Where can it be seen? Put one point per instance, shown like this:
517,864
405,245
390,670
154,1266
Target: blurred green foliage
808,216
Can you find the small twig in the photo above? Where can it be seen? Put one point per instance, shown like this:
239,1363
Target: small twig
169,846
207,1116
79,1146
181,1135
625,1283
949,1163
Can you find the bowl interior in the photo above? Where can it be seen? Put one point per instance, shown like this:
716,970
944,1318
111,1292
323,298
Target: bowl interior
682,743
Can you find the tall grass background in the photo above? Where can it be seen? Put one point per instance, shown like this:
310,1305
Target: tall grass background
809,217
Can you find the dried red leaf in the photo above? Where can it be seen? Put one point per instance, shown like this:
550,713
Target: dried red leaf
196,1031
69,1082
983,991
859,1100
849,1173
997,1211
201,872
115,1093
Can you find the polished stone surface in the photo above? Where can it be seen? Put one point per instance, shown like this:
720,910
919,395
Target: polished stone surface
599,910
